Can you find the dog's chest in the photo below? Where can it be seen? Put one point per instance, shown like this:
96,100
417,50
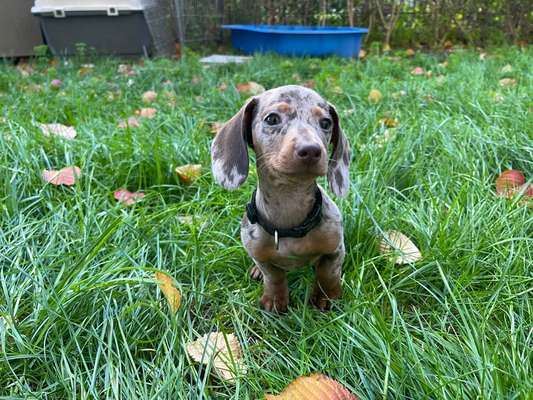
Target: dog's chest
291,252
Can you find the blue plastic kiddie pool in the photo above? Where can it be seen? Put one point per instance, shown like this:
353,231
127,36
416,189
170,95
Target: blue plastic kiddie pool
296,40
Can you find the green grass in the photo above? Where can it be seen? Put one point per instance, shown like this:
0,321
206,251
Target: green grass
80,314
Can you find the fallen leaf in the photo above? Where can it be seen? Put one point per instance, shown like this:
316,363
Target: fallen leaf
507,82
506,69
252,88
313,387
149,97
56,83
131,122
216,127
399,243
498,97
410,52
386,47
67,132
223,87
429,73
127,197
126,70
309,84
225,351
374,96
482,56
189,172
86,69
443,64
509,182
170,291
66,176
362,53
448,44
389,122
25,69
148,112
417,71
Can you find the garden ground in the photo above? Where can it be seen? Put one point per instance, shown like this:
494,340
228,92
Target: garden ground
81,315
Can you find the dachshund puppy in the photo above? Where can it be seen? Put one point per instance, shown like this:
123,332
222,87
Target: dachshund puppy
290,221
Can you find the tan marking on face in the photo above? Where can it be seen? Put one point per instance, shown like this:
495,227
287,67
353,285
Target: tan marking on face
284,107
318,112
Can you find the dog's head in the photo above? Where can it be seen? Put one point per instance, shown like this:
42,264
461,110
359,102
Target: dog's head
290,128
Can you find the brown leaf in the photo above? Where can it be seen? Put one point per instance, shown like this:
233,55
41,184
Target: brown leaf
507,82
149,97
448,44
25,69
410,52
66,176
399,243
252,88
313,387
374,96
131,122
169,290
225,351
417,71
67,132
389,122
148,112
127,197
189,172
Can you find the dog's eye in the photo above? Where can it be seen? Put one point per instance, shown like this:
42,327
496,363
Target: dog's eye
325,123
273,119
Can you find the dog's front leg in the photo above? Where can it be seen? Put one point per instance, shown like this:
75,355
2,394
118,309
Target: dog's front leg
275,289
328,279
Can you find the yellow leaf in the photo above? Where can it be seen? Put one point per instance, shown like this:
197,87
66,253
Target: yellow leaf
189,172
399,248
374,96
313,387
389,122
170,291
225,351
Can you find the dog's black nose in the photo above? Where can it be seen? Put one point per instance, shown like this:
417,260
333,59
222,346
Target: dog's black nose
310,152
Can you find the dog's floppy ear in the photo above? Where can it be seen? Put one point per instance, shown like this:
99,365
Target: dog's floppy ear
339,163
229,151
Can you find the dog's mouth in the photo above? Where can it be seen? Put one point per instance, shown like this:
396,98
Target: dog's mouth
298,168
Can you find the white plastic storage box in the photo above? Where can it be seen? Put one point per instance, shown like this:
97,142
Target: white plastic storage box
117,27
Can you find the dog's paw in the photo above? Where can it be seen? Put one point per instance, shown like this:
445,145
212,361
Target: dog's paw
255,273
277,304
321,300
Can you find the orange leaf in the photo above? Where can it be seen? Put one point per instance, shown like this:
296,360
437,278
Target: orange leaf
389,122
66,176
131,122
170,291
149,96
252,88
313,387
126,197
399,248
148,112
225,351
189,172
418,71
374,96
67,132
